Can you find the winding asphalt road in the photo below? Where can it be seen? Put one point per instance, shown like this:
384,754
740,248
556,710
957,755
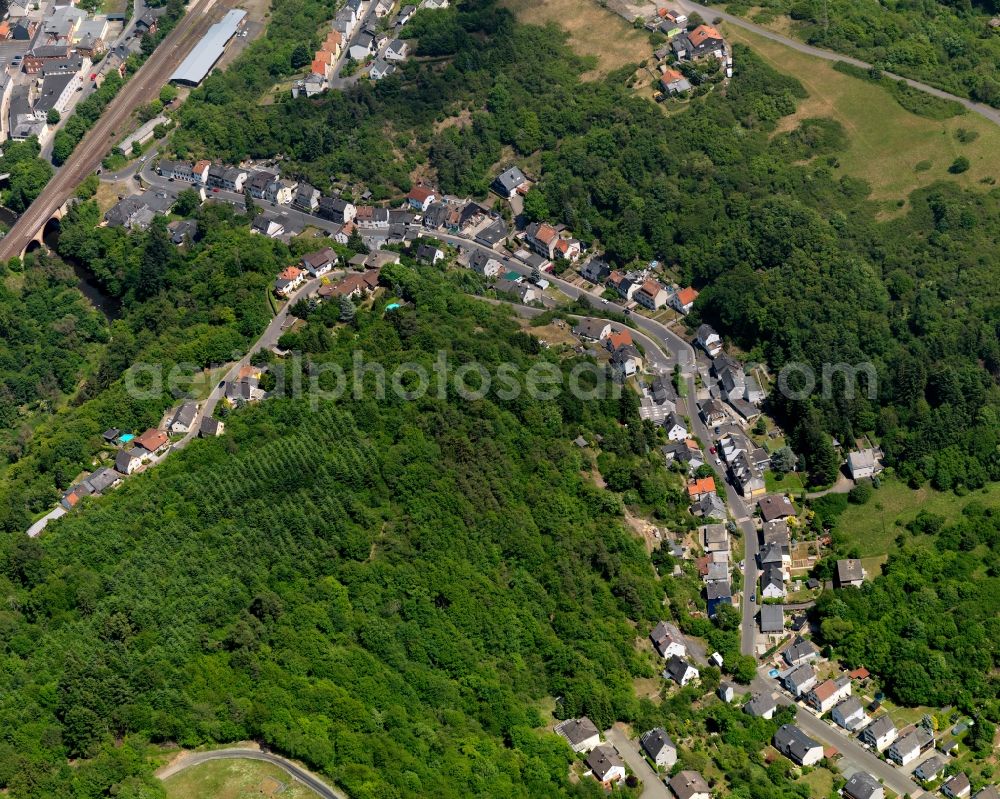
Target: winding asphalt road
708,13
293,770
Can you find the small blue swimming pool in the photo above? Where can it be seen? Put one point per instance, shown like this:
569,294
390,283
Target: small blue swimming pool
392,306
126,437
772,673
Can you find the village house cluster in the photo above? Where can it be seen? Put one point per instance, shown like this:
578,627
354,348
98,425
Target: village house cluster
55,48
135,452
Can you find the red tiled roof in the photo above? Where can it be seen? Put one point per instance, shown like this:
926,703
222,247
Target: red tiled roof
703,485
420,193
703,33
290,273
687,296
318,67
151,440
546,233
619,338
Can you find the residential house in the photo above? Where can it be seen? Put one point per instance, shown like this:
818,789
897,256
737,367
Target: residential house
651,295
596,270
862,464
726,692
226,177
184,418
745,476
989,792
850,714
772,583
429,254
493,234
880,733
397,50
420,197
799,680
380,69
306,198
680,671
674,425
850,572
619,337
717,594
353,286
776,532
800,651
702,42
487,266
689,785
930,769
674,82
753,393
683,300
715,538
146,23
709,340
829,693
909,747
267,224
337,210
710,506
957,786
382,8
797,746
662,391
152,440
700,486
182,231
568,249
625,285
289,279
625,362
128,461
211,427
581,734
605,765
762,706
861,785
658,747
137,211
542,238
775,506
508,182
280,191
772,619
319,263
667,640
370,217
592,329
363,47
713,412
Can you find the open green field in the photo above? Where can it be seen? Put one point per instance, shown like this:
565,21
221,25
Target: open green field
593,31
872,527
886,141
777,483
234,779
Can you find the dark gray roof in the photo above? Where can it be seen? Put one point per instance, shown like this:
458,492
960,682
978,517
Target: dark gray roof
861,785
799,648
849,570
508,180
102,480
496,232
209,426
719,590
800,675
577,730
602,759
677,667
655,741
772,618
760,705
880,726
686,784
52,88
185,414
590,327
792,742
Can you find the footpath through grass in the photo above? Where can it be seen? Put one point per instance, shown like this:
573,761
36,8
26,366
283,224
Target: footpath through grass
894,150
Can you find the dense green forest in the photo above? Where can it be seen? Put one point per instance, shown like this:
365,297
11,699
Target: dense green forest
946,43
930,625
386,590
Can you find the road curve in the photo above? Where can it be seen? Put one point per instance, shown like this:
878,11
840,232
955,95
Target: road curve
140,88
295,771
708,13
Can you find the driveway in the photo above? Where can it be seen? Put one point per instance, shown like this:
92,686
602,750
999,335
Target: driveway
653,786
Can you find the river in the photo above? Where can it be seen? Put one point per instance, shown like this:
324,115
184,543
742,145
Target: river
111,307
